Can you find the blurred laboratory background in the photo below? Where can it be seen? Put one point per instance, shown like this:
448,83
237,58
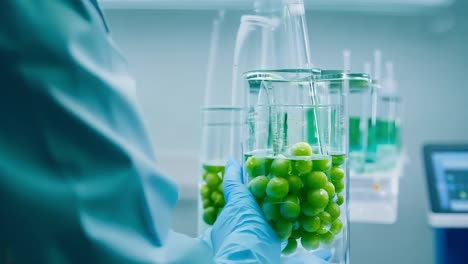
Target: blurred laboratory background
167,44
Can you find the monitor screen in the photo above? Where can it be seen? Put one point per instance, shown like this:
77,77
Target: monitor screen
447,176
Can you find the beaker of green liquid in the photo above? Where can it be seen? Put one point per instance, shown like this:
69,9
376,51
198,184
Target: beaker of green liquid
352,92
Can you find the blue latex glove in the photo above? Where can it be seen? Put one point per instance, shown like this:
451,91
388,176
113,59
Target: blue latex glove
241,234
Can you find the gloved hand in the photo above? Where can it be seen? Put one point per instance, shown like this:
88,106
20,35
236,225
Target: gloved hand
241,234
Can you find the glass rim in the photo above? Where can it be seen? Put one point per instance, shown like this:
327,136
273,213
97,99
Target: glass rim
277,75
318,106
221,108
330,75
307,75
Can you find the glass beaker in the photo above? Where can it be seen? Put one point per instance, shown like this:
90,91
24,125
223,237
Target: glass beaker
293,168
387,131
221,140
352,91
371,137
374,192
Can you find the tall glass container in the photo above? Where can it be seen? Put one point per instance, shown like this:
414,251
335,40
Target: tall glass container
296,165
353,92
386,124
372,125
374,192
387,130
221,140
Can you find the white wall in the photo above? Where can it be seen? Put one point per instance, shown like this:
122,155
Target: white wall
167,52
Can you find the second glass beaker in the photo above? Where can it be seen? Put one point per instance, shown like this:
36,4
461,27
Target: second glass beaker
352,92
221,140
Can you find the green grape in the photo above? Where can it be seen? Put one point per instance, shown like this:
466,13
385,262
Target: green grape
290,247
219,211
310,223
290,208
207,203
337,160
209,175
334,210
280,166
292,199
220,187
295,183
310,241
209,215
205,191
330,188
301,149
271,211
339,186
325,218
339,199
212,180
255,166
303,166
323,229
213,168
277,187
258,185
318,198
283,228
321,164
337,173
218,198
336,226
315,179
327,238
309,210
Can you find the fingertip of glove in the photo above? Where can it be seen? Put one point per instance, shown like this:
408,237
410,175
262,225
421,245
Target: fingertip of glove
232,177
232,162
233,170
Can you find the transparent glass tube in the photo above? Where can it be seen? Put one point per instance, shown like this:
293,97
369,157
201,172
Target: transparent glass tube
374,192
387,131
352,91
295,163
274,36
371,130
221,140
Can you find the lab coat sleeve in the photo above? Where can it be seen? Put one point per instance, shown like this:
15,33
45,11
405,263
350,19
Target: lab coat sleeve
78,182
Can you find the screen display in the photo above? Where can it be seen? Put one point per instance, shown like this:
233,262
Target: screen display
450,171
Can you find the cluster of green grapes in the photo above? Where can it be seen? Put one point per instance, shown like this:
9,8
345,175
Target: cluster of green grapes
300,195
211,192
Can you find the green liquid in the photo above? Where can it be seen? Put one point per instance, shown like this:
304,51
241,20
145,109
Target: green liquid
355,137
387,132
382,133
